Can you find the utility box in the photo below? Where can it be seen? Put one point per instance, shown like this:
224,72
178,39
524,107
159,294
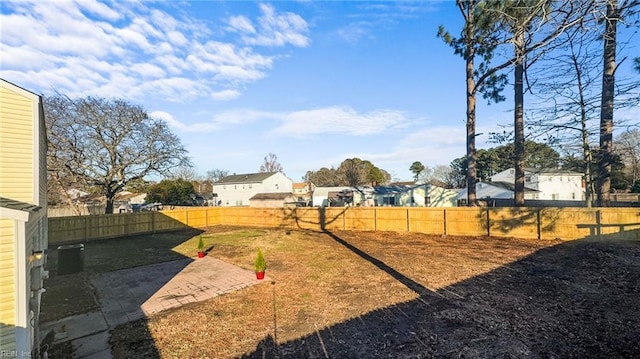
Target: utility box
70,259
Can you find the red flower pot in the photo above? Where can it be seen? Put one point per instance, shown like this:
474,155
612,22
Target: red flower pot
200,254
260,275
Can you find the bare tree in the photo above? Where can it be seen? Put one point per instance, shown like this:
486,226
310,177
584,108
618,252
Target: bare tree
271,164
354,171
216,174
441,176
107,143
184,172
627,146
535,26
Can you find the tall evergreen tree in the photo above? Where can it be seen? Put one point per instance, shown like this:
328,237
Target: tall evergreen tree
477,40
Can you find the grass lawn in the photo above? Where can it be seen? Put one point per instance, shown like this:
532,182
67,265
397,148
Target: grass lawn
380,295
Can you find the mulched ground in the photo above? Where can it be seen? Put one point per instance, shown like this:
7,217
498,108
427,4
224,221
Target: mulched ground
388,295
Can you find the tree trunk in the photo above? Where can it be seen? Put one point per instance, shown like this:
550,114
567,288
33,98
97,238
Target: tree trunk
586,148
606,106
109,208
472,155
518,121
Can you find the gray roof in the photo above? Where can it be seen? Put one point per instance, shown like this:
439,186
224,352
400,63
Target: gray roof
509,186
18,205
272,196
555,171
246,178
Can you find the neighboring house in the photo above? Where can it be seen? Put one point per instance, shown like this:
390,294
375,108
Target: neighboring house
273,200
550,184
303,191
126,201
23,221
495,190
77,194
422,195
324,196
236,190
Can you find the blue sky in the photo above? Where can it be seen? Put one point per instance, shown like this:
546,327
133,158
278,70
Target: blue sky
312,82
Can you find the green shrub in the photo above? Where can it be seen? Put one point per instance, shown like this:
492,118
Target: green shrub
260,263
200,244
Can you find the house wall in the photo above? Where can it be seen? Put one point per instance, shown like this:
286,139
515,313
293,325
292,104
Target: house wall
551,186
7,285
559,187
238,194
17,157
23,167
320,195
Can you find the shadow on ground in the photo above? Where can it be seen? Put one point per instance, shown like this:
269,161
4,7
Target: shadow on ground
74,294
573,300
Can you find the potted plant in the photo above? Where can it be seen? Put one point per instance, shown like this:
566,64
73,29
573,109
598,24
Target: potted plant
200,247
260,265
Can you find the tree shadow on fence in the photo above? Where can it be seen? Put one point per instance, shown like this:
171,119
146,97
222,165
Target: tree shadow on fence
575,299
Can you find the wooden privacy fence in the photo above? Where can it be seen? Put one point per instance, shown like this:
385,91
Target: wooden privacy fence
533,223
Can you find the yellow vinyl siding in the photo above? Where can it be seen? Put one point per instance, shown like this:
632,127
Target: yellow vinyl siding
16,146
7,285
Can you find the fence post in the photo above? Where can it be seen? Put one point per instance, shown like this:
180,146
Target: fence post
86,227
153,221
488,223
375,219
444,220
408,221
127,222
186,216
539,223
344,219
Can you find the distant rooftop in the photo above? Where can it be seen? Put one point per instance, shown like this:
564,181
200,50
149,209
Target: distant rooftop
246,178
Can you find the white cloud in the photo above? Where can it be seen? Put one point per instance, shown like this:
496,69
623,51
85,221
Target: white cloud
338,120
241,24
225,95
274,29
353,32
94,48
99,9
330,120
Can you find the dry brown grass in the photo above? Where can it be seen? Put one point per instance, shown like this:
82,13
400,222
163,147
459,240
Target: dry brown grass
321,279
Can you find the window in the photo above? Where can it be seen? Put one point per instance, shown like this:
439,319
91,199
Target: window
573,195
427,200
239,203
555,196
527,178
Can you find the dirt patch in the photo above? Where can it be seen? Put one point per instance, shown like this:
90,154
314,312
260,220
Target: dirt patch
381,295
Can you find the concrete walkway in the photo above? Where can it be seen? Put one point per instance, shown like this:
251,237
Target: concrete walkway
131,294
